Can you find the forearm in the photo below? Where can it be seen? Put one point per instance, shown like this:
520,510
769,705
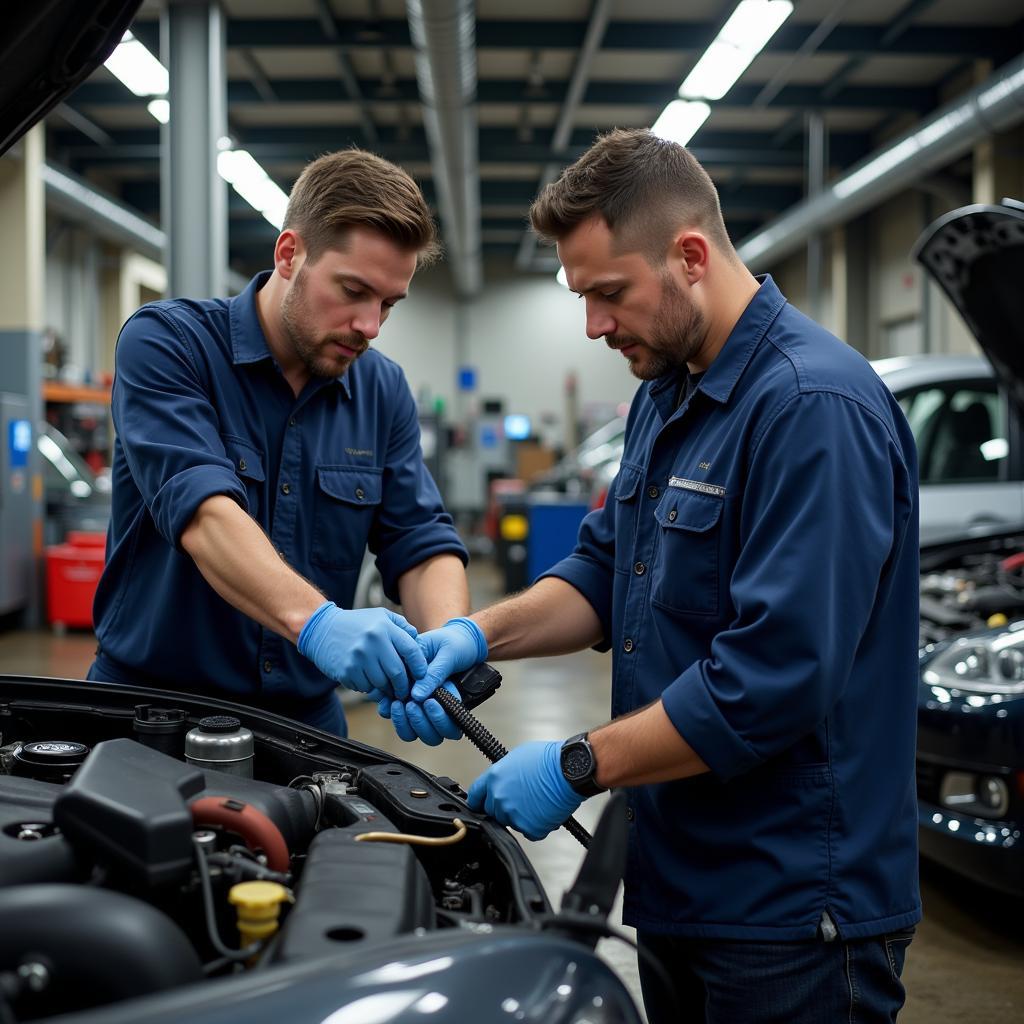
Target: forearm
550,618
642,748
237,559
434,592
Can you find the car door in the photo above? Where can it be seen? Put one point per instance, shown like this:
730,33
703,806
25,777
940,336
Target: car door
969,473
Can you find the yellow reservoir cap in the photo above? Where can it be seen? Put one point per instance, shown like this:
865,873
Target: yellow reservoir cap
997,620
259,906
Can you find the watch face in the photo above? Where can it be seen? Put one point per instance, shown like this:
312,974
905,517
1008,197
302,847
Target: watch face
576,762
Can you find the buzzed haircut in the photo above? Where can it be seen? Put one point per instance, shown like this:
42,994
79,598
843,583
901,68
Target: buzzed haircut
645,189
353,188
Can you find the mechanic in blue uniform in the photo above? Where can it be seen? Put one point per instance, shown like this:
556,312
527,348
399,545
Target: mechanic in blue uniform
755,573
261,446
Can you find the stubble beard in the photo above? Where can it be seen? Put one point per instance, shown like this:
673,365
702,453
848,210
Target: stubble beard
304,340
677,334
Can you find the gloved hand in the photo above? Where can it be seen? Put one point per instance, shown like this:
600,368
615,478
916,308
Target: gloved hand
459,644
368,649
527,790
428,721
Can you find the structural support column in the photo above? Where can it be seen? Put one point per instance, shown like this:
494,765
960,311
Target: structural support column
22,214
194,196
816,162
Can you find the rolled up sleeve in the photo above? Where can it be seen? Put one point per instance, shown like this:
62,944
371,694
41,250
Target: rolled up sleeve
411,524
827,505
166,424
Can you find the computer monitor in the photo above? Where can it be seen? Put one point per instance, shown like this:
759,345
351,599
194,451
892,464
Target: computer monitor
517,426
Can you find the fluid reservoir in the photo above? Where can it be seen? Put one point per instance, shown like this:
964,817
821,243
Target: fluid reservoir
223,743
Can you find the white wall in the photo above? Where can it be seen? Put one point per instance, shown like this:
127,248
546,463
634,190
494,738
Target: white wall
524,335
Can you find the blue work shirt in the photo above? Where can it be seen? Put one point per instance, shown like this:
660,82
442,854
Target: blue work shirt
756,568
202,408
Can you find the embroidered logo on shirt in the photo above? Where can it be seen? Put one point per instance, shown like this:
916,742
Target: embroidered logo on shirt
359,451
704,465
696,485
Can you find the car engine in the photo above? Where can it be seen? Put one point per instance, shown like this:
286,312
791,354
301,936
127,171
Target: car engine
168,872
971,586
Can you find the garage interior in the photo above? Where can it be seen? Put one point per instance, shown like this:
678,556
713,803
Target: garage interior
854,128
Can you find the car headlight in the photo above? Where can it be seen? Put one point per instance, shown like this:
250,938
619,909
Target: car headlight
991,663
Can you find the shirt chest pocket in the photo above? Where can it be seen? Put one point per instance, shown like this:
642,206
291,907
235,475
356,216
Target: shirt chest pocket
626,484
248,465
346,502
686,570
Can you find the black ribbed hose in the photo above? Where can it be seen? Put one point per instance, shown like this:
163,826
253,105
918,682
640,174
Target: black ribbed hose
492,748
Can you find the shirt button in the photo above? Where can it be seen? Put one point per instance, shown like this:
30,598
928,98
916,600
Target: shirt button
630,814
360,493
627,645
291,421
652,492
285,489
241,465
639,568
672,516
267,666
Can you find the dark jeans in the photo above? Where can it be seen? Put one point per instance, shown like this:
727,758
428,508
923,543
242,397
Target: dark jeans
726,982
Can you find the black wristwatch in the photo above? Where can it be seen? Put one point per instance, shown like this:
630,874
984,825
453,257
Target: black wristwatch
579,766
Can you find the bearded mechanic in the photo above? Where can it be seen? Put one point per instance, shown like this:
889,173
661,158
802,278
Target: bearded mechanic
755,573
261,445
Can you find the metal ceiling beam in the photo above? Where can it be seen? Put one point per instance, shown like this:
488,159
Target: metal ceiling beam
443,33
900,26
561,137
995,105
516,91
348,76
952,40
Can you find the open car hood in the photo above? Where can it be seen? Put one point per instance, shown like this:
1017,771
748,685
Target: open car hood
976,255
47,48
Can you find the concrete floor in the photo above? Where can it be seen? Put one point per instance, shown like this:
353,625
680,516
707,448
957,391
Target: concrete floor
964,966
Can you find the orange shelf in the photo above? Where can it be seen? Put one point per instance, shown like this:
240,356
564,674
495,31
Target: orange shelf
58,391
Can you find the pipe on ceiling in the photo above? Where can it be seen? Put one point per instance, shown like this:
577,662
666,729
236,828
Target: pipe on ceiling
444,35
596,28
78,201
993,106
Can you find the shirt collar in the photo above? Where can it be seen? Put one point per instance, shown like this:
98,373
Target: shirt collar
248,342
721,376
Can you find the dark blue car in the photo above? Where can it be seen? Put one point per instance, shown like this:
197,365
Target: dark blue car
970,762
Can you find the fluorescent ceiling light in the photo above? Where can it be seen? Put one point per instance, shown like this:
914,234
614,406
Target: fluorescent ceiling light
561,278
238,168
141,72
137,68
680,120
742,38
160,109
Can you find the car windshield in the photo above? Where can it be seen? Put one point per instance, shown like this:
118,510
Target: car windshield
64,466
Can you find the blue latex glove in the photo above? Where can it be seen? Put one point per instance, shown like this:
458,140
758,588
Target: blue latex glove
368,649
527,790
459,644
428,721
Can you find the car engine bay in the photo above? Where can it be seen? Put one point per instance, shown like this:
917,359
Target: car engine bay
169,872
971,586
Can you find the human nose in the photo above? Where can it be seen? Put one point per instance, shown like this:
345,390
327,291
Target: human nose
600,323
367,321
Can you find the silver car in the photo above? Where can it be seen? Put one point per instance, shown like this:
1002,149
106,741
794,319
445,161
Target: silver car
968,443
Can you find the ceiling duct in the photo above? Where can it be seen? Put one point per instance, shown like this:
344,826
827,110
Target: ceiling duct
993,106
78,201
444,34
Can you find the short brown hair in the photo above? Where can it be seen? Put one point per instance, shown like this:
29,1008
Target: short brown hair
644,188
353,188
